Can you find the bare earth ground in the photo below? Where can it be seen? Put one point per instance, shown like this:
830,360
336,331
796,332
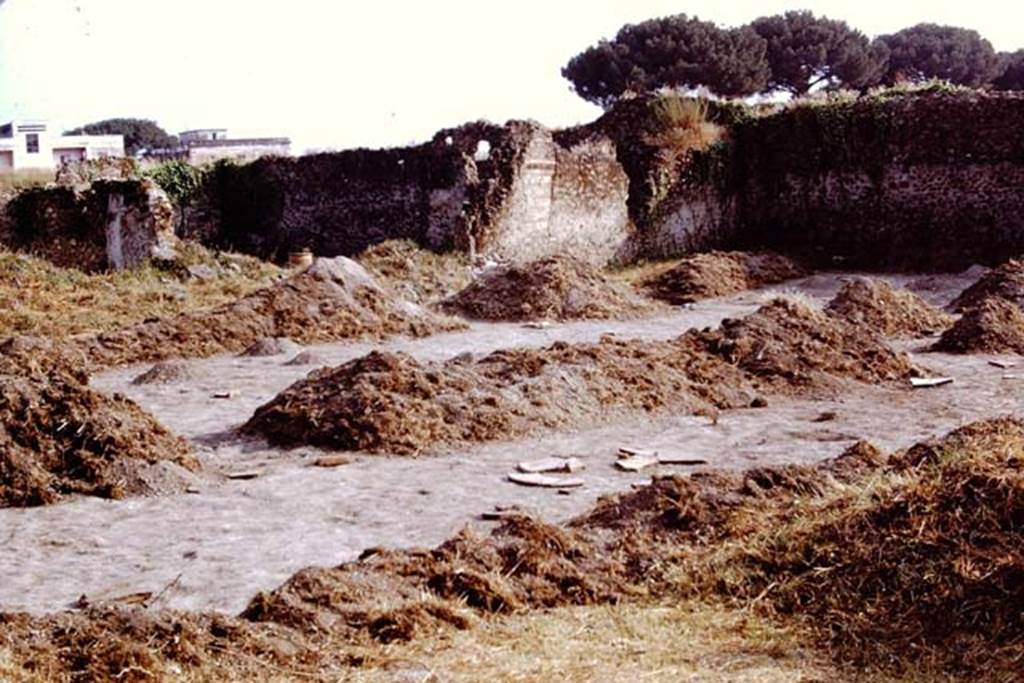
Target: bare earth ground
213,549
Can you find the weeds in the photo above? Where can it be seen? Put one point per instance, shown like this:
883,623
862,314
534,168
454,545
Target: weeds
38,298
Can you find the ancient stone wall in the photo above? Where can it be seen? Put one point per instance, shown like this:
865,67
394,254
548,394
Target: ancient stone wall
928,180
569,199
341,203
931,181
507,191
112,224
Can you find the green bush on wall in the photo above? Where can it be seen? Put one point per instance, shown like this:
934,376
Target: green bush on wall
182,181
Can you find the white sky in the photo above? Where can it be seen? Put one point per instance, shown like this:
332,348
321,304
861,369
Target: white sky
346,73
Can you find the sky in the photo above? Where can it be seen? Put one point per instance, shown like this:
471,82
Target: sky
334,74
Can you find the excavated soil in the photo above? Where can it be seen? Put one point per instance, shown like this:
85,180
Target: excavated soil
416,274
307,358
167,372
552,288
914,559
392,403
994,326
889,311
332,299
788,347
271,346
917,561
718,273
58,436
1005,282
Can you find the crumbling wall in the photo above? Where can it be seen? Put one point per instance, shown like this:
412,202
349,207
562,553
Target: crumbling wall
564,199
139,222
509,191
589,212
112,224
340,203
931,180
695,219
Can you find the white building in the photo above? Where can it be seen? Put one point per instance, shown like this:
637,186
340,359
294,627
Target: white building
31,145
206,145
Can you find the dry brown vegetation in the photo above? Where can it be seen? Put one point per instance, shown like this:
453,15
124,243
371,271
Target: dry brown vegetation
917,562
911,565
889,311
332,299
416,274
553,288
993,326
393,403
40,299
1005,282
718,273
58,436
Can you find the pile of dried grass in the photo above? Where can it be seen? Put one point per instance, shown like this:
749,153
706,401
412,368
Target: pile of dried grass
791,347
333,299
1005,282
416,274
167,372
393,403
719,273
524,563
917,562
552,288
58,436
39,298
914,561
993,326
890,312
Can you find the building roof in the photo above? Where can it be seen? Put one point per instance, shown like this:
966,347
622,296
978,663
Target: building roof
239,142
203,130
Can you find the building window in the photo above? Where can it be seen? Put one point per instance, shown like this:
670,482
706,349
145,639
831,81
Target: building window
32,143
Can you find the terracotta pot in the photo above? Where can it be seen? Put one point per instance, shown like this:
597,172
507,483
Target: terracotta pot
300,259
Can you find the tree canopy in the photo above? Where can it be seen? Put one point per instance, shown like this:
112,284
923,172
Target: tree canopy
676,51
1012,77
795,52
138,133
954,54
805,51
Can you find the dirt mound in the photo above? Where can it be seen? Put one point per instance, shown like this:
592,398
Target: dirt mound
790,347
392,403
58,437
307,358
168,372
416,274
332,299
719,273
890,312
270,346
919,562
1005,282
888,563
552,288
993,326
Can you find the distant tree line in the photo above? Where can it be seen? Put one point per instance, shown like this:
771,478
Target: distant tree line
793,52
139,134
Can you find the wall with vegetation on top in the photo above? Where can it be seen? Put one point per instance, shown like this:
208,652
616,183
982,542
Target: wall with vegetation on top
929,180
